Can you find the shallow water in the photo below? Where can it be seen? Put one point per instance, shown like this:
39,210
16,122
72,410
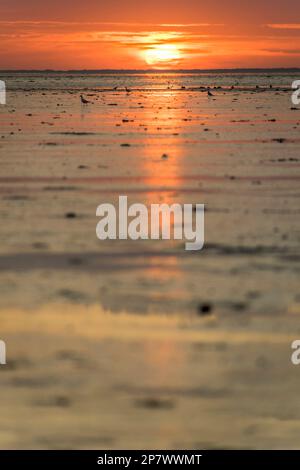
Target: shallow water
176,378
149,81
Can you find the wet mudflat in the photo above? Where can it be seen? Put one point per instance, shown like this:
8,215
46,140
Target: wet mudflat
141,344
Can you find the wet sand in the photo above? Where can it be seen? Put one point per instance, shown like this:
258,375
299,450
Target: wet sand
142,344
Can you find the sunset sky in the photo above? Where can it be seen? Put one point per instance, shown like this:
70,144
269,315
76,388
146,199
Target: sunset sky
131,34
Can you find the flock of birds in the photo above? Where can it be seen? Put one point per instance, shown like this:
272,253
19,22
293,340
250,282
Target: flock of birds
85,101
128,90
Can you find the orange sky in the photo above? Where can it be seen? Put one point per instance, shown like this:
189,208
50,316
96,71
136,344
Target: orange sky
93,34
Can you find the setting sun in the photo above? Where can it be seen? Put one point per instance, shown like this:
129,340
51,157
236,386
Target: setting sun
162,54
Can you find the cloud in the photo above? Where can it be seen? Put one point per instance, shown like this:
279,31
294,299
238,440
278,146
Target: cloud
282,51
97,24
89,44
284,26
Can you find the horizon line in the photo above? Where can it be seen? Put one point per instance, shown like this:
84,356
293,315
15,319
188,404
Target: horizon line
194,70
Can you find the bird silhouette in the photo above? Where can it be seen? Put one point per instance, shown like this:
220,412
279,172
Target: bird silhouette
83,100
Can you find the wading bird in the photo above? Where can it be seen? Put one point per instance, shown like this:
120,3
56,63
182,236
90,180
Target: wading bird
83,100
